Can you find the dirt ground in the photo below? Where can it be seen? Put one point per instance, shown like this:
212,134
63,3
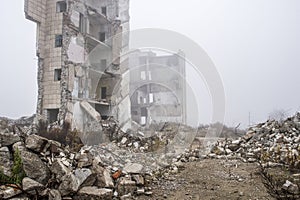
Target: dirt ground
212,179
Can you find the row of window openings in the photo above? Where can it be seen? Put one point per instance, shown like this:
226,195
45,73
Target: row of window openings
144,75
57,77
61,6
143,100
59,39
57,72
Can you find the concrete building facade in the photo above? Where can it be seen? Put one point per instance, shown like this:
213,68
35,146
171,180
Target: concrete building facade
157,87
81,71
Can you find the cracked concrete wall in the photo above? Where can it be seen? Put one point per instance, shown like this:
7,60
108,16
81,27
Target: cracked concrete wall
69,73
49,24
157,87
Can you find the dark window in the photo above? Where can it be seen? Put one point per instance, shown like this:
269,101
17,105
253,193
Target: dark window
134,112
57,74
144,112
61,6
103,10
58,40
103,92
52,115
102,36
82,23
103,63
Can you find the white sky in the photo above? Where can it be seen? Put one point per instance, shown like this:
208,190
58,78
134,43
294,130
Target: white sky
255,45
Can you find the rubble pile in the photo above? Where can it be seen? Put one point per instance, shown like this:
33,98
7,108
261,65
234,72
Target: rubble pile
140,140
53,171
127,164
121,168
271,142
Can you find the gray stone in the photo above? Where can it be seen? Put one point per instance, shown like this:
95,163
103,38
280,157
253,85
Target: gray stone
87,193
138,179
35,143
72,182
7,139
248,136
218,150
54,195
8,192
148,193
126,186
140,191
29,184
5,161
19,146
34,167
107,179
84,160
126,197
82,175
133,168
290,187
104,178
233,146
124,140
59,169
69,184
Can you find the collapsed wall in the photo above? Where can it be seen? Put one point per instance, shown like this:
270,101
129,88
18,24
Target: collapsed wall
81,72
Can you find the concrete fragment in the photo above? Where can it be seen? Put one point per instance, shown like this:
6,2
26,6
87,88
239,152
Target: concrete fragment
5,161
138,179
54,195
87,193
8,192
28,184
7,139
104,178
34,167
133,168
72,181
290,187
90,110
59,169
35,143
126,186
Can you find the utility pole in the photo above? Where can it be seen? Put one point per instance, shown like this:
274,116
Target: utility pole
249,119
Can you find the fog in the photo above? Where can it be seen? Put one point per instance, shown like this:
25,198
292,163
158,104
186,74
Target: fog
254,45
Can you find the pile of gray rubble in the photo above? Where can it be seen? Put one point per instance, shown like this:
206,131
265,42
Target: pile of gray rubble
273,142
127,165
120,169
54,172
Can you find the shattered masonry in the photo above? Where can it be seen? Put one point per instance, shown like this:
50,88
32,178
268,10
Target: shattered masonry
157,87
80,67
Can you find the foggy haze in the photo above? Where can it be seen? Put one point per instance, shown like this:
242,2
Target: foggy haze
253,43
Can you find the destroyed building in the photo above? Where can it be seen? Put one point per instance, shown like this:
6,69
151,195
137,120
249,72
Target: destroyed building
81,70
157,87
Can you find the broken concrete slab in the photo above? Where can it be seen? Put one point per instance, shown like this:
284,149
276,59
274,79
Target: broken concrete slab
133,168
35,143
54,195
71,182
34,167
7,139
7,192
6,161
87,193
28,184
126,186
90,110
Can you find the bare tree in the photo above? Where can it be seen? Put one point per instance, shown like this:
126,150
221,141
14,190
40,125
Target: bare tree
278,115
